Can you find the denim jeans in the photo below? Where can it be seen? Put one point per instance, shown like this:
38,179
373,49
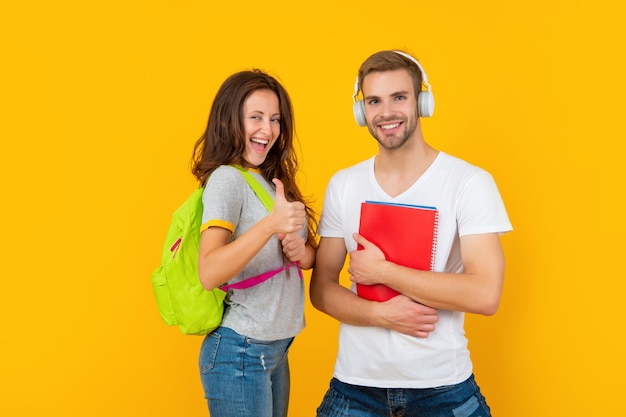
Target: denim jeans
243,376
460,400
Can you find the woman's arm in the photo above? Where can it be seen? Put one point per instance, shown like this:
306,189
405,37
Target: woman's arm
219,260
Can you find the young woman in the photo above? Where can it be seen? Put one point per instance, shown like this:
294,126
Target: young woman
243,363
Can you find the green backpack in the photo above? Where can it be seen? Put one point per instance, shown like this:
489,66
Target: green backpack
180,297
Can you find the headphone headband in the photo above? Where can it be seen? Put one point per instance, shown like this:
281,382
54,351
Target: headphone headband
424,76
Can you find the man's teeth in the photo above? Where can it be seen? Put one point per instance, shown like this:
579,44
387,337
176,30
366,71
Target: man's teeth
261,141
389,127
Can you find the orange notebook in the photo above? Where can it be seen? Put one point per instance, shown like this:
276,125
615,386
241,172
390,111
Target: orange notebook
406,234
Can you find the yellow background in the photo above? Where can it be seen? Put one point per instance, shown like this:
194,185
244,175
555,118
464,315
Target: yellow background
103,101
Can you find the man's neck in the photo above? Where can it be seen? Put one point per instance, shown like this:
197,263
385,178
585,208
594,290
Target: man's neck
396,170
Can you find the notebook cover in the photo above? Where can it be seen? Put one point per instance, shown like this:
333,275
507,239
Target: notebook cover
406,234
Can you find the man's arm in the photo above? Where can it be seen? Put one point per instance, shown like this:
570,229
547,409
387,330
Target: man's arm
477,290
400,313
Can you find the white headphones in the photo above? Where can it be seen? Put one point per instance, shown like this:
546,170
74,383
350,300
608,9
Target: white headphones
425,99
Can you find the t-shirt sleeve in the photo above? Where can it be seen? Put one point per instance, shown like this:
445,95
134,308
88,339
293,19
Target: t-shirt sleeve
481,209
330,224
223,199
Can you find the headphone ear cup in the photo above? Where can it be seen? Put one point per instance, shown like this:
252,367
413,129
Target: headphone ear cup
358,108
426,104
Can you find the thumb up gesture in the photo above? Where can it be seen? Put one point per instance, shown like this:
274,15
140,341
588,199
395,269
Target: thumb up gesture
287,216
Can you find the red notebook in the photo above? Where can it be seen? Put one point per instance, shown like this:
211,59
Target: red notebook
406,234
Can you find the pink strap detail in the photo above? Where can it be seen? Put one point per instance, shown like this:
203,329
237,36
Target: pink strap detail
256,280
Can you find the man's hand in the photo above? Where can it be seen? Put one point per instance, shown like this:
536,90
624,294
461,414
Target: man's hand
407,316
366,264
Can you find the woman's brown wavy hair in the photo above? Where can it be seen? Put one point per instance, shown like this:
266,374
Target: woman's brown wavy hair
223,141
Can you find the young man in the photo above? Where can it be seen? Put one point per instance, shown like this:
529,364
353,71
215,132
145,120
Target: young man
407,356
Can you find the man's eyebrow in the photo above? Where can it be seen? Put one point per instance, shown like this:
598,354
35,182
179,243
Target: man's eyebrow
394,94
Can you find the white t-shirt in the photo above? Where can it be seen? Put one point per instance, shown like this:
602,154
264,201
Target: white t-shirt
468,202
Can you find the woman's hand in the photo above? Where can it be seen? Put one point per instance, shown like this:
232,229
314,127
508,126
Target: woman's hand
294,246
287,216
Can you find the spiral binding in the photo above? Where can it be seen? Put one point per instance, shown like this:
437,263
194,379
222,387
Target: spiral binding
433,252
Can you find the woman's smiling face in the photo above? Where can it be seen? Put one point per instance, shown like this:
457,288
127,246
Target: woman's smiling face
261,124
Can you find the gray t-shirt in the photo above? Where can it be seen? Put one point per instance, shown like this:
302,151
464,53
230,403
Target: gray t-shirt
274,309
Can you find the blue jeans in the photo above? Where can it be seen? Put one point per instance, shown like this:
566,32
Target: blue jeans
460,400
243,377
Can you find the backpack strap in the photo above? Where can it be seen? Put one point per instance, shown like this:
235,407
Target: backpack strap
256,280
258,189
268,202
